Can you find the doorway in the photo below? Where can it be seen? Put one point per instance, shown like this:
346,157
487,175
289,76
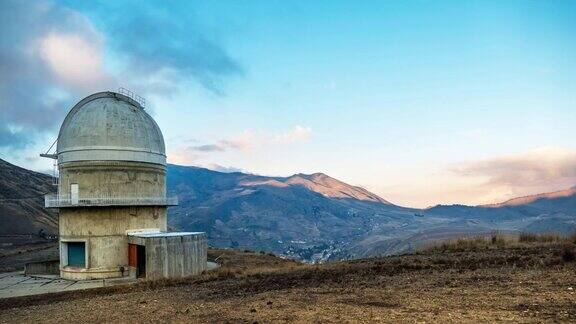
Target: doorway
140,261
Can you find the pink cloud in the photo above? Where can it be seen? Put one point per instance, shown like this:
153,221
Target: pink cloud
296,134
249,140
183,156
539,170
74,59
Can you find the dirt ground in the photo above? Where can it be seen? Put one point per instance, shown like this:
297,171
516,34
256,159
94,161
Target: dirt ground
530,283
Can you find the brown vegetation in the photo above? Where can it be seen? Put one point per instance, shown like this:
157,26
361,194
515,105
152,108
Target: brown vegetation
521,282
497,240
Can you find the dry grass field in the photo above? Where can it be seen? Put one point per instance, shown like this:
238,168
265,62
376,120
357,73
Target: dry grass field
484,279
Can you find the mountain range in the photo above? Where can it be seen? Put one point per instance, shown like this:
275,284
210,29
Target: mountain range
311,217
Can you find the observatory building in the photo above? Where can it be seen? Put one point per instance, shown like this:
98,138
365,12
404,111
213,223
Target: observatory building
112,195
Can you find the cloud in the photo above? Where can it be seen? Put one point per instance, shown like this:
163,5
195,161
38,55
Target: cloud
164,41
73,59
296,134
52,55
248,140
183,156
209,148
11,139
538,170
220,168
48,55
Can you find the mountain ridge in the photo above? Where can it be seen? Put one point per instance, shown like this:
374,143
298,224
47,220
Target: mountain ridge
523,200
312,217
323,184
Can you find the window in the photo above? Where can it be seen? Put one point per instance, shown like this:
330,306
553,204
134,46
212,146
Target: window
76,254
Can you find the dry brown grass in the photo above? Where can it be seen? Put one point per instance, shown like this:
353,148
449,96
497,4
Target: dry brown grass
248,260
497,240
233,264
526,282
542,237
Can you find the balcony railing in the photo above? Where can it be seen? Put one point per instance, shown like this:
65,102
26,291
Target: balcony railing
55,201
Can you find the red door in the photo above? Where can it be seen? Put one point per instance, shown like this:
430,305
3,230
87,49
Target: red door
132,255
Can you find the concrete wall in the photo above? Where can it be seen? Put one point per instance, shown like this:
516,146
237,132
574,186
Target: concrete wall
174,256
119,179
51,267
104,232
103,229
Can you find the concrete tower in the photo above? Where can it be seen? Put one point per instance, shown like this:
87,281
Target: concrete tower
112,184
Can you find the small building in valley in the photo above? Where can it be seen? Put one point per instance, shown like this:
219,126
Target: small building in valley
112,197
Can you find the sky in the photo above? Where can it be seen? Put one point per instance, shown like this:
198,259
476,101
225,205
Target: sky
420,102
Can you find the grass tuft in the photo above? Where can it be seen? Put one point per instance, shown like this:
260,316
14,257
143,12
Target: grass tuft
498,240
542,237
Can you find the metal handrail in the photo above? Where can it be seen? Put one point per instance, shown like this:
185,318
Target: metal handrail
56,201
130,94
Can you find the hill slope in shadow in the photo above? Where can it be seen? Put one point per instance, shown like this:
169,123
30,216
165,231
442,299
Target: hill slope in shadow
22,201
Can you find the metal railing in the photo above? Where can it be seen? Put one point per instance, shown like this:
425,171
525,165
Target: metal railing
55,201
130,94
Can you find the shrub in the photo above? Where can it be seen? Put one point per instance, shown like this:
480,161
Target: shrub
543,237
572,238
498,239
527,237
460,244
568,254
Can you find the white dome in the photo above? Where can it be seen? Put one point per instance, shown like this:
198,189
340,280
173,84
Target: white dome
110,126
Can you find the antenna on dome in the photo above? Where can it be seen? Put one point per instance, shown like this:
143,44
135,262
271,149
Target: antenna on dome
53,156
48,154
130,94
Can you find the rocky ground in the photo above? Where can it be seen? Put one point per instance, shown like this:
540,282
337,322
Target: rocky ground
532,282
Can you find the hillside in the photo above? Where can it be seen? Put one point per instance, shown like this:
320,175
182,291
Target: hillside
532,282
556,199
549,213
310,217
318,218
22,201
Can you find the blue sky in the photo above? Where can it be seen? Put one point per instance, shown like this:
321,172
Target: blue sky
422,102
